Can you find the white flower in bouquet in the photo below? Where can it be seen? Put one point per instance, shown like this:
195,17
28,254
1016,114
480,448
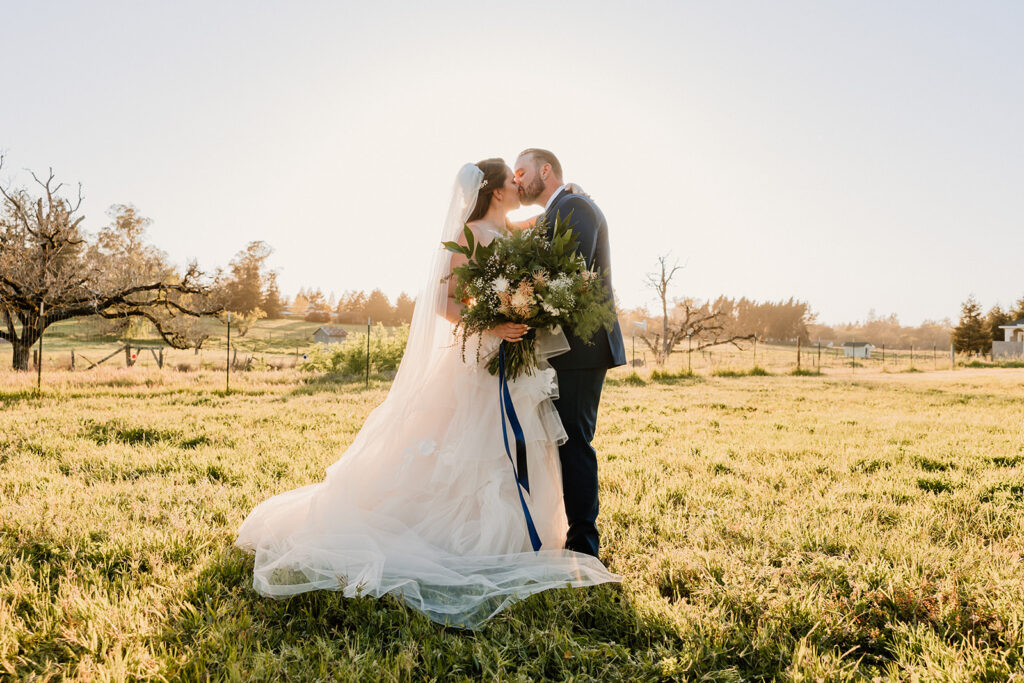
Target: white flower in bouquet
549,308
500,284
562,282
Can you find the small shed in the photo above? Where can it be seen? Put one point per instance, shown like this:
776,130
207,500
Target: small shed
330,335
857,349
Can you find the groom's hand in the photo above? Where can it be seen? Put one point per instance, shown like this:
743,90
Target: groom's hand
510,332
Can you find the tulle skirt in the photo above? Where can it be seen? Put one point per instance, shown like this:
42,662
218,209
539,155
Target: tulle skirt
423,505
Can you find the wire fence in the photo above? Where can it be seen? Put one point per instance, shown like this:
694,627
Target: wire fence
776,358
39,345
83,345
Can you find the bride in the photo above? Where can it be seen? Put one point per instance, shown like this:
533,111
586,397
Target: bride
424,503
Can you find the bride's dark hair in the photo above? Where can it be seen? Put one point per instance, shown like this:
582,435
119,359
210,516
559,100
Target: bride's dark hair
495,175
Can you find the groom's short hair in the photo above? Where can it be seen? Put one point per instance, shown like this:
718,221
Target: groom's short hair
545,157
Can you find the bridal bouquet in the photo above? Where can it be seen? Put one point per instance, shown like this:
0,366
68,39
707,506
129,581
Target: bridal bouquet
526,278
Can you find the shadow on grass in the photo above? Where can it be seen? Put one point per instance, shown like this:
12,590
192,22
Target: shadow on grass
220,622
337,383
12,397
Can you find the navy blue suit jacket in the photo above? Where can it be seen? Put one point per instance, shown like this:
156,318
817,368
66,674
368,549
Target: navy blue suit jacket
606,349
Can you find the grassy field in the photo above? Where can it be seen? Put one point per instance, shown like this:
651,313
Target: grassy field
800,528
282,343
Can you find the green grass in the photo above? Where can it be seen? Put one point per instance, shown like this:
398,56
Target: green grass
755,371
994,364
669,377
802,528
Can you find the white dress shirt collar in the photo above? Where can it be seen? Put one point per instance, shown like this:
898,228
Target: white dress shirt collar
552,198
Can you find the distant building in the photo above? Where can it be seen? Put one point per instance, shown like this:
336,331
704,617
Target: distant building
330,335
1013,341
857,349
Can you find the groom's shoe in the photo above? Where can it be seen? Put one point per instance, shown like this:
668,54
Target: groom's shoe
582,540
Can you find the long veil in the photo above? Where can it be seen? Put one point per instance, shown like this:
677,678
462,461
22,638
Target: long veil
430,333
427,352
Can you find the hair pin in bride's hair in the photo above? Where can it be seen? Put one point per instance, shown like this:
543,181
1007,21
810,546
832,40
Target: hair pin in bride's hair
483,183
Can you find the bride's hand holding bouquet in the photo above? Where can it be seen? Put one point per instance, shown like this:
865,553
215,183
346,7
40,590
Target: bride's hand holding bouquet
532,281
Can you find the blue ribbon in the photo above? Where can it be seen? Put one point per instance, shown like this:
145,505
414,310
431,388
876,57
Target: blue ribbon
521,474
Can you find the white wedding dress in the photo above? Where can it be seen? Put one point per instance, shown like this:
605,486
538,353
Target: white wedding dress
424,503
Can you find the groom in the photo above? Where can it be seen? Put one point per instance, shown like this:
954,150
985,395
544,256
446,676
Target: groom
581,370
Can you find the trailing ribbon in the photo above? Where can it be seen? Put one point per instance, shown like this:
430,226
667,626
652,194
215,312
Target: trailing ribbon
520,472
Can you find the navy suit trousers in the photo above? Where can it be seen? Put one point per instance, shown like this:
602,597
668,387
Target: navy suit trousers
579,395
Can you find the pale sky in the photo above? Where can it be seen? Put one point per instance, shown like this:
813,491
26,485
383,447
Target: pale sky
857,155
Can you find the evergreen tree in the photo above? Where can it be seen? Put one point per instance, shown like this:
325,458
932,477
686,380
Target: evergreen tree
404,308
378,308
272,303
301,303
996,317
352,307
971,335
318,312
1017,312
244,290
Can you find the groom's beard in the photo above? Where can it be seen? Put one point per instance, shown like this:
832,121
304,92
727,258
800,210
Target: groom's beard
528,194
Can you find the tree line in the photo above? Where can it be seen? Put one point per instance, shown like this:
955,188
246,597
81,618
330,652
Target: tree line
352,307
249,289
977,330
690,323
887,331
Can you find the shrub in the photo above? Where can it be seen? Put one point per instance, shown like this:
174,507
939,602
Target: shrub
349,357
667,377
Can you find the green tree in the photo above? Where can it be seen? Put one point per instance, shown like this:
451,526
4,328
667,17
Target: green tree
404,307
272,302
993,319
378,308
318,312
1017,312
352,307
244,290
971,335
50,270
301,303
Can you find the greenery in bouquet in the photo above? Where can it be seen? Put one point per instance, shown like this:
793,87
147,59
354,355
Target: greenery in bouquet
524,277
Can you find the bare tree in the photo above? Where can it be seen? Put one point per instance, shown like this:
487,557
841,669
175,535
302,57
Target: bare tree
50,271
700,323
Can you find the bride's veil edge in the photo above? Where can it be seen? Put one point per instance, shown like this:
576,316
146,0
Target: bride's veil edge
430,333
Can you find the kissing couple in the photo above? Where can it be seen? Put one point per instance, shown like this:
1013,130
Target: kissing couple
424,503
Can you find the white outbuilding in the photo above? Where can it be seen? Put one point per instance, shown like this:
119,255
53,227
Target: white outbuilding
330,335
1013,341
857,349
